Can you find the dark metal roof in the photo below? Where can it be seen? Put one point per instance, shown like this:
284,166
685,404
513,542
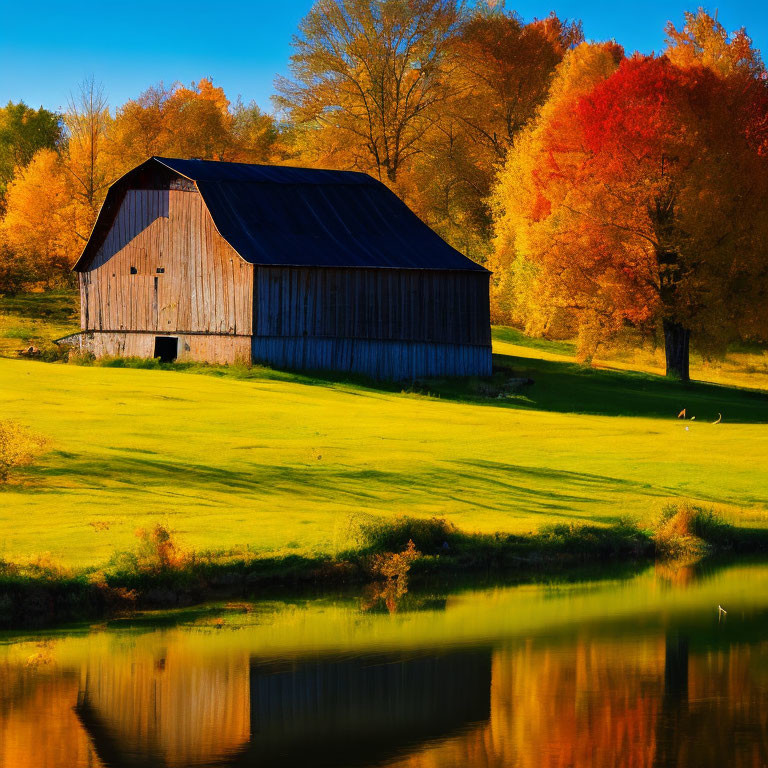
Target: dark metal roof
284,216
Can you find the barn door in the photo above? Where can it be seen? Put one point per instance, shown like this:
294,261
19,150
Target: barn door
166,348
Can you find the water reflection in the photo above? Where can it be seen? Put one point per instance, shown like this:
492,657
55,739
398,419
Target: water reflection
630,673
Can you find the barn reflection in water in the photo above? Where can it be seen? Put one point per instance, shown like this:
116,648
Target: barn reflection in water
338,712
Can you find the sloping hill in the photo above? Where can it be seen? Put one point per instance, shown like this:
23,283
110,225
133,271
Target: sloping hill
281,461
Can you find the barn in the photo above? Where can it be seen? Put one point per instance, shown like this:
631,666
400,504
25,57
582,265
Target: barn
298,268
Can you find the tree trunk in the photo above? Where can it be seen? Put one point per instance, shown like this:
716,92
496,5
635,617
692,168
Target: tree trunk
676,348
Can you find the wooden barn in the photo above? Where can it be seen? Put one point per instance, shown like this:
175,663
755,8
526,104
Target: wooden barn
297,268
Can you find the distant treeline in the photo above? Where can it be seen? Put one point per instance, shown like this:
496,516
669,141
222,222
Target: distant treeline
604,191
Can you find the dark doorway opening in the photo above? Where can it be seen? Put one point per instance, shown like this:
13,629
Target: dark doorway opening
166,348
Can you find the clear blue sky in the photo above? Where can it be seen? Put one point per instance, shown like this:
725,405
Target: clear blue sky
46,47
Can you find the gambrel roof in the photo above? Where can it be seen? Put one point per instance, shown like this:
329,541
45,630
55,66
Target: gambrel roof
284,216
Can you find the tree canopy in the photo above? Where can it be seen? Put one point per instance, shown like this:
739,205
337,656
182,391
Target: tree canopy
23,131
640,197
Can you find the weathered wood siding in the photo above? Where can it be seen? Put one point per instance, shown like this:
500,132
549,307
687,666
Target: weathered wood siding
385,323
204,285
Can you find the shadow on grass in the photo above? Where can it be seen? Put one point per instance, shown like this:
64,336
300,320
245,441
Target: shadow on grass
463,485
564,387
570,388
556,386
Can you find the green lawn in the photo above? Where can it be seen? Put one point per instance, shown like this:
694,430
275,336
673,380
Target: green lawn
277,461
34,319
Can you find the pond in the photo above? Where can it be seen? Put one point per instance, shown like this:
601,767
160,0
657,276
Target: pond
640,670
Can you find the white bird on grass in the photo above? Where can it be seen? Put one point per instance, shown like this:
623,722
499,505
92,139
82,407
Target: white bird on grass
721,612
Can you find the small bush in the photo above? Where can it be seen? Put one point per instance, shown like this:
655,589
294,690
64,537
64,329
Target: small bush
143,363
46,568
158,552
53,353
77,356
593,541
685,529
429,535
394,566
18,447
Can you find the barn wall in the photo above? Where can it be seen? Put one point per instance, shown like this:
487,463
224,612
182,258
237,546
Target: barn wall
386,360
384,323
205,286
373,304
211,348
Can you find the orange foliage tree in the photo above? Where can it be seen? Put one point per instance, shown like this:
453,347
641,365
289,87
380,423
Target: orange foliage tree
523,293
502,69
703,41
498,74
198,121
645,203
41,222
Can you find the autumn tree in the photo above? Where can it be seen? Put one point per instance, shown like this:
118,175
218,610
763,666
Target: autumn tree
39,230
522,292
23,131
85,156
255,136
703,41
645,202
369,78
139,130
503,68
196,121
447,187
499,73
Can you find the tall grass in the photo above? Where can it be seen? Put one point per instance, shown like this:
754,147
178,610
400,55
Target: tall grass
19,446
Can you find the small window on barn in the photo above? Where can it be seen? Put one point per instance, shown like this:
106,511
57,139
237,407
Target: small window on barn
134,271
161,270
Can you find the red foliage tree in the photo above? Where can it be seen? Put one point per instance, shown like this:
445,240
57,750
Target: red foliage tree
651,203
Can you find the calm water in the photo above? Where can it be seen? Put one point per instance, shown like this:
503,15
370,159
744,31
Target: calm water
623,672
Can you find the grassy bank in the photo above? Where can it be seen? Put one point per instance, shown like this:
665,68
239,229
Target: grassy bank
158,574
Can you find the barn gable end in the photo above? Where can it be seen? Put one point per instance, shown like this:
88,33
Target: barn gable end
163,268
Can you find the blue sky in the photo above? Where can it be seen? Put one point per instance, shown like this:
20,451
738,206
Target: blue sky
46,48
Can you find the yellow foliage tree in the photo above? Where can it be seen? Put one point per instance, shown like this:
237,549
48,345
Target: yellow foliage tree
41,222
368,79
85,157
703,41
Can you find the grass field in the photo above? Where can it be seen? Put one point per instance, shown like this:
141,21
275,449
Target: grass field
282,462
